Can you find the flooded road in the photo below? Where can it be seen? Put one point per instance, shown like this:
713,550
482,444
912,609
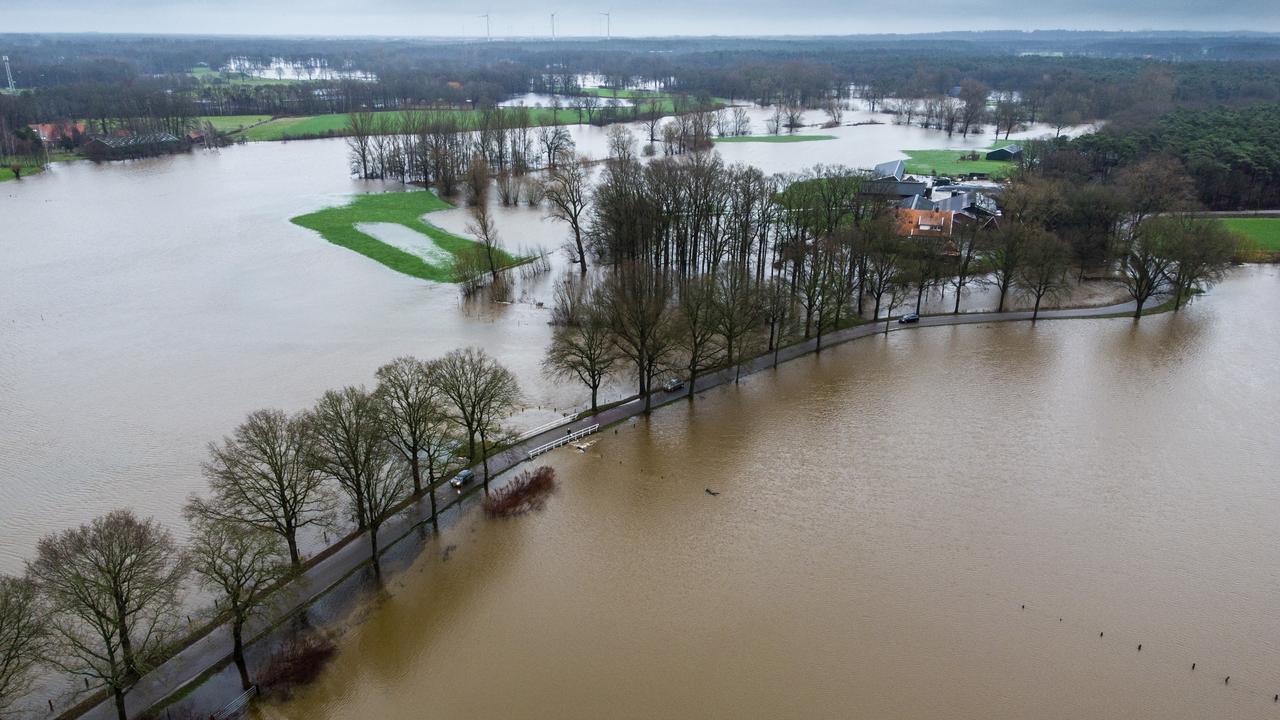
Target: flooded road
885,511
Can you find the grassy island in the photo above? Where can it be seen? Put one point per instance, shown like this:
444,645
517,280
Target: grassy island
338,226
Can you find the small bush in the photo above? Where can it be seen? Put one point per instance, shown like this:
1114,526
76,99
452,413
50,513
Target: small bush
526,492
296,663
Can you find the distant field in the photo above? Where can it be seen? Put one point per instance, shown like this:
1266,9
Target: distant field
623,94
774,138
948,162
209,75
338,226
232,123
287,128
1265,232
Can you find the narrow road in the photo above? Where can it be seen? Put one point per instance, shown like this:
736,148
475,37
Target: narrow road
214,648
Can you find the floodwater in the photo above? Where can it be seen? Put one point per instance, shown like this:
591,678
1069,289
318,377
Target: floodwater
146,307
885,512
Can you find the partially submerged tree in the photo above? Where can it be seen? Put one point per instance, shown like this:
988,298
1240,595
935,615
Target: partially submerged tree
263,476
485,231
566,188
240,563
23,638
113,588
1201,250
410,406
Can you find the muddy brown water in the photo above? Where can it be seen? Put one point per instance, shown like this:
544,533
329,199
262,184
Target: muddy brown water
146,307
885,511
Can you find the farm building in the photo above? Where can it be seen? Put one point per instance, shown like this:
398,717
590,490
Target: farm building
1008,152
110,147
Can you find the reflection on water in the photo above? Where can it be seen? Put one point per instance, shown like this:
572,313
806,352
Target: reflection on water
885,510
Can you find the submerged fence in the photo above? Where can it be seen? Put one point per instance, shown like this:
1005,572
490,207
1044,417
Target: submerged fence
236,708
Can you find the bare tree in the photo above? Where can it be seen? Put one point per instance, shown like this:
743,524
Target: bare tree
1202,250
481,391
241,564
696,327
23,638
639,307
485,231
263,476
113,588
1146,260
411,408
738,314
556,144
1043,270
584,350
359,131
566,188
352,447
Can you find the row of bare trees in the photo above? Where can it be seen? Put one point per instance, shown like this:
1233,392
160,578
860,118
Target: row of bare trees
102,601
705,265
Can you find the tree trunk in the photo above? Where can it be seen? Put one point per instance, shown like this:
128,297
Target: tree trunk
415,467
126,643
292,539
1035,313
1138,313
237,653
373,549
959,287
1004,289
582,255
121,712
595,390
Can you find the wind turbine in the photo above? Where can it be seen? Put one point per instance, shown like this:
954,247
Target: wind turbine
487,36
553,27
608,24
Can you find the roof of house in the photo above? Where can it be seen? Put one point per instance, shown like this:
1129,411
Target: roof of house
923,223
918,202
1012,148
966,200
891,169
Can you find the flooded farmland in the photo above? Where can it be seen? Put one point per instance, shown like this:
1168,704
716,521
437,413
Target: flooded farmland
967,522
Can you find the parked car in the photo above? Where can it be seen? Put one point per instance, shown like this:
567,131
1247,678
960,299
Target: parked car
909,318
462,478
673,384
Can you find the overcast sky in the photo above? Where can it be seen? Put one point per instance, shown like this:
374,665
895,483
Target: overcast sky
655,17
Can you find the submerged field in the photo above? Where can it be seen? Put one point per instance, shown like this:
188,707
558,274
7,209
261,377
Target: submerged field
774,138
425,251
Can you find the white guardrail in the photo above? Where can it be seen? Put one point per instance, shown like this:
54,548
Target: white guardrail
568,438
540,429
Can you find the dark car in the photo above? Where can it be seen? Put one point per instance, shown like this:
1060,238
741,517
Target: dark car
462,478
909,318
673,384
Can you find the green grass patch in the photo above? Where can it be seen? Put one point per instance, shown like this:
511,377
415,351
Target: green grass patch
623,93
233,123
949,162
337,225
1262,232
7,174
211,76
774,138
315,126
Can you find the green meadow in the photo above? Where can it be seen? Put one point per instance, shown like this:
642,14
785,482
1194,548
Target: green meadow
338,226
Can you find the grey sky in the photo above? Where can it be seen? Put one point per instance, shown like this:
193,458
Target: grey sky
659,17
